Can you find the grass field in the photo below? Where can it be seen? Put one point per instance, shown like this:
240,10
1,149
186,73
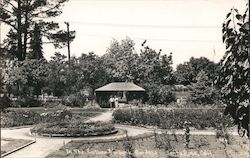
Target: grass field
168,146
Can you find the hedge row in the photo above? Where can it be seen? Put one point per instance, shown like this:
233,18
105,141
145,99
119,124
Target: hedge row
172,118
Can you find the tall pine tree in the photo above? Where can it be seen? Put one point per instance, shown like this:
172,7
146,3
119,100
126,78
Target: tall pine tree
36,44
22,15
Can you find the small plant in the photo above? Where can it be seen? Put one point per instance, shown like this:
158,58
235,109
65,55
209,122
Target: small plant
223,136
187,134
175,136
201,142
155,138
128,147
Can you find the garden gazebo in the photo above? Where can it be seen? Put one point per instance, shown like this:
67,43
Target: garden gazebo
125,91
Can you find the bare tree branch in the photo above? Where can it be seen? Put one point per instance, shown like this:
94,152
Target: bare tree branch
8,23
11,4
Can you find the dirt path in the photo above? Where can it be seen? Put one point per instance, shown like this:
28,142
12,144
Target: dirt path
104,117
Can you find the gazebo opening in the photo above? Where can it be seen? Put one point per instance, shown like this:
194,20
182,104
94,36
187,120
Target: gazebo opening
124,91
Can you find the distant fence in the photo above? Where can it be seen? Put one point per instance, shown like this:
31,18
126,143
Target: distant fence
43,98
48,98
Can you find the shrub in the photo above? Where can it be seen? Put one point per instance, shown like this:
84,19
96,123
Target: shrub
19,118
27,101
74,100
14,118
202,92
5,102
172,118
58,115
159,94
73,128
128,147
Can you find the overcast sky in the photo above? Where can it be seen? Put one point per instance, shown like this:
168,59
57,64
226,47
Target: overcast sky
184,27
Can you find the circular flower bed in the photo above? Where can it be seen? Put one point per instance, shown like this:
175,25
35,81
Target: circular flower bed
74,129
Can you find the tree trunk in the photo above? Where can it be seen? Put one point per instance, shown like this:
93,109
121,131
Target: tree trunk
19,31
26,25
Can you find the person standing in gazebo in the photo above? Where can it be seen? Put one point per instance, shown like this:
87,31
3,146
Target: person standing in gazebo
111,102
116,102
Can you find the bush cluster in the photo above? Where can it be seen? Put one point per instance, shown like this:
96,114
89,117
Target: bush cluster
27,101
58,115
172,118
159,94
5,102
14,118
205,95
73,128
74,100
19,118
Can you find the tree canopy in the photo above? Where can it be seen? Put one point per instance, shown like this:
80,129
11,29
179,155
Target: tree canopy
27,18
186,73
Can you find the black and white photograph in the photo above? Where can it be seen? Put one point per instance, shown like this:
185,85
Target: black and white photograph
124,79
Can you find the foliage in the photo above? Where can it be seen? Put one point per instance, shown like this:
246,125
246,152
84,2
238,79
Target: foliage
14,118
5,102
158,94
23,15
26,101
36,44
92,72
73,128
153,67
74,100
120,60
186,73
59,115
19,118
31,116
124,64
25,77
128,147
85,75
203,91
234,67
171,118
56,75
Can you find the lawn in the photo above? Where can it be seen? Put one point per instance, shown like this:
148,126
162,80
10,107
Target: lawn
167,146
8,144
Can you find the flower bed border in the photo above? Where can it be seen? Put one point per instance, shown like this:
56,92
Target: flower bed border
114,131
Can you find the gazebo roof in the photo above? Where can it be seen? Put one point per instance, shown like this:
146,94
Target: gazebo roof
120,86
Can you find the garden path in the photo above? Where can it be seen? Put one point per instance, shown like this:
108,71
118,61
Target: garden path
46,145
104,117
